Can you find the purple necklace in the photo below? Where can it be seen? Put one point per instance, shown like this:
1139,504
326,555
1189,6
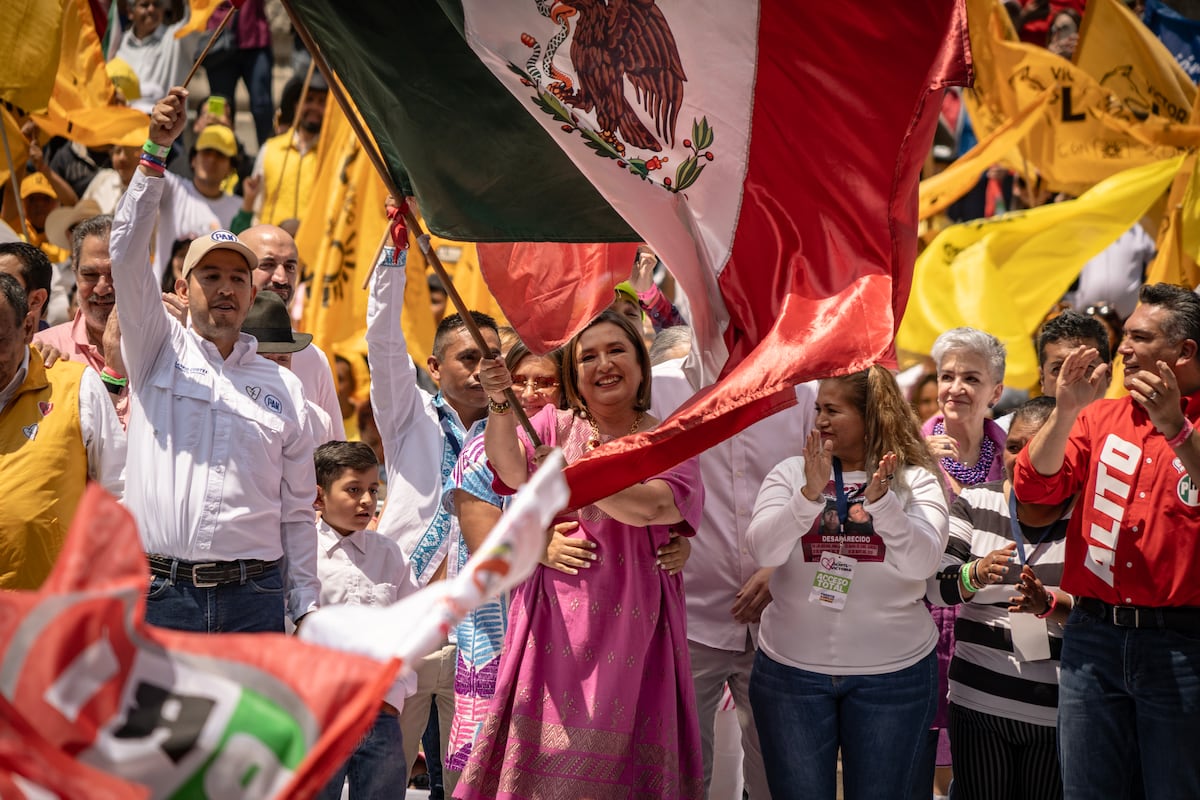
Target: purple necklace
968,476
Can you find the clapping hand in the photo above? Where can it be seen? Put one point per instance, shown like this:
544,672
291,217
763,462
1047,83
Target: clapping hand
818,464
1078,382
881,481
1032,597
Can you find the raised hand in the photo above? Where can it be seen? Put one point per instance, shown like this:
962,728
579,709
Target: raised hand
169,117
881,481
1159,395
1078,382
818,465
494,377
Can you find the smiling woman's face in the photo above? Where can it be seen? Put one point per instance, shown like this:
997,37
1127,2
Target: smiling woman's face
966,388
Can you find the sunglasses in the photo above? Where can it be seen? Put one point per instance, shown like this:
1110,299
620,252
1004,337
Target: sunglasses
537,385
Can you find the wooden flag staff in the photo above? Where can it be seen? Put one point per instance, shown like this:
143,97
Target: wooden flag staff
410,219
12,176
212,40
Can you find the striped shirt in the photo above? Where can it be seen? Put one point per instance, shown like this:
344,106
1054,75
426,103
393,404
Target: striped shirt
985,673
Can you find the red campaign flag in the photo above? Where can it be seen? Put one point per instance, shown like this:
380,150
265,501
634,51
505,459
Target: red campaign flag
31,768
185,715
769,152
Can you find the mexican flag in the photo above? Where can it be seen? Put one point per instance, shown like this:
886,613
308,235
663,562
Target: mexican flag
183,715
769,152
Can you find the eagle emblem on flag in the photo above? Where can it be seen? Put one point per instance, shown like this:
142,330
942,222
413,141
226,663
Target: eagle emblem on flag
615,42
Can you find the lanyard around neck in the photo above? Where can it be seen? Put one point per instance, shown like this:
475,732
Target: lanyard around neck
1016,530
843,507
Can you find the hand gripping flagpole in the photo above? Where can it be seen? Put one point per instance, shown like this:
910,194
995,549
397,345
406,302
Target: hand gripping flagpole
410,219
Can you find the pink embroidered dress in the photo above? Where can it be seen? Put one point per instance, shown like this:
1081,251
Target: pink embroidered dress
594,696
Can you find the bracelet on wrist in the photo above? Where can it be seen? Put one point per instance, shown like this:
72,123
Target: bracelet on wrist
1051,604
1183,434
964,576
157,150
499,408
156,168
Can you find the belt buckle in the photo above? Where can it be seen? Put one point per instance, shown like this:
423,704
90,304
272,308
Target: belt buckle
199,584
1126,617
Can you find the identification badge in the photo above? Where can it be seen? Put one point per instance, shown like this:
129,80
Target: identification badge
1031,642
831,587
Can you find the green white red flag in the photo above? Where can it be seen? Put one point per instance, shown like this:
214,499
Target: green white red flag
769,152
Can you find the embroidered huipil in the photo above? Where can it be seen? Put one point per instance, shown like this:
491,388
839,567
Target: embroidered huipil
220,461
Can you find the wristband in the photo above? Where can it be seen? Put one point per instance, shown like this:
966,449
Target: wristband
1051,604
153,159
499,408
964,575
153,166
156,150
1183,434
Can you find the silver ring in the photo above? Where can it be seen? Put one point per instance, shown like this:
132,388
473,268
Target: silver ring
1153,396
887,478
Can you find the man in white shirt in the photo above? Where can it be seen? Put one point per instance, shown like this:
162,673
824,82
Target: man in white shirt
221,474
277,271
726,591
422,437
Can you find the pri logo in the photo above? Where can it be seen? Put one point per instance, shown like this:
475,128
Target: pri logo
1187,491
611,54
272,403
223,236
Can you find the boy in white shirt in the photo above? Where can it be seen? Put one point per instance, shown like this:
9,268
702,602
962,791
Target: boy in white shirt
361,567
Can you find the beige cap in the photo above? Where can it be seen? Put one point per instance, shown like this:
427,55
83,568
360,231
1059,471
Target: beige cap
217,240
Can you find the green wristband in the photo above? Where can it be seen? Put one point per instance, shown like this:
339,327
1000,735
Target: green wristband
156,150
964,575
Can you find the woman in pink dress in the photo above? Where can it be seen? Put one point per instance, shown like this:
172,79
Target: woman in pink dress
594,697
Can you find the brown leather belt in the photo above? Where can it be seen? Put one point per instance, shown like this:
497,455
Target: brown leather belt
207,574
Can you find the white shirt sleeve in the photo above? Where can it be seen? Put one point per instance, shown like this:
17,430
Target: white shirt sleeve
143,318
103,436
782,514
395,397
915,533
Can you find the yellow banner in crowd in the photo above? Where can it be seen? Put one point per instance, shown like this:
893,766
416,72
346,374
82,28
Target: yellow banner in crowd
79,108
30,41
16,143
1004,273
1132,64
939,192
202,11
1079,140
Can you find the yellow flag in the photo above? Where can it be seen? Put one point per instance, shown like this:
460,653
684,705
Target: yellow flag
1079,140
937,193
1004,273
79,108
30,38
17,145
202,11
1132,64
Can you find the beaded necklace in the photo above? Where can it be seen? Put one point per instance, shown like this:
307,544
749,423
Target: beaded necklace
969,476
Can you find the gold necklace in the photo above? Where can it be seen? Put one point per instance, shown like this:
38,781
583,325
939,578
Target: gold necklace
594,441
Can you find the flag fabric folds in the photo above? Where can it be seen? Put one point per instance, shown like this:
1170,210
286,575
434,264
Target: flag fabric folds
773,168
191,715
415,626
1003,274
30,38
1080,139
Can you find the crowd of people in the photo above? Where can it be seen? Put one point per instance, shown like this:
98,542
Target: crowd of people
925,581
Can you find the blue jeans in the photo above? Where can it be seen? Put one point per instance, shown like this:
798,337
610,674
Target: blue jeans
878,721
254,68
1128,711
376,767
255,606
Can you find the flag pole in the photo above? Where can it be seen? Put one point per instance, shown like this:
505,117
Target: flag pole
414,225
12,177
212,40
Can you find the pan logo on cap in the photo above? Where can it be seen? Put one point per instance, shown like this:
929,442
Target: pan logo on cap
223,236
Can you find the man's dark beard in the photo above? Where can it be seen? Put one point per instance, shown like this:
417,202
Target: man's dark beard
311,125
